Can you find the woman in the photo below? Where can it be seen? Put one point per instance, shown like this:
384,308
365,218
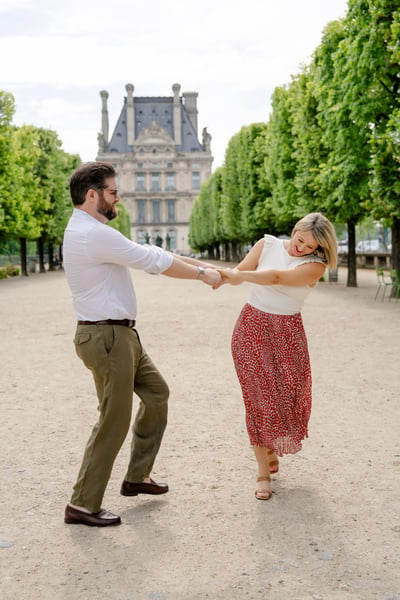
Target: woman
269,345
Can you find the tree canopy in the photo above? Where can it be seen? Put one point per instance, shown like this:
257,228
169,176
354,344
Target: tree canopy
35,203
331,143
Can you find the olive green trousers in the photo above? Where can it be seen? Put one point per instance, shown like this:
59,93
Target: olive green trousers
120,368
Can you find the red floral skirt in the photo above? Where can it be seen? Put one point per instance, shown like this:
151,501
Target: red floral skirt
270,354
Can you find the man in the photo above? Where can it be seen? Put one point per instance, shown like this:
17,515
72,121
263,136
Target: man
96,258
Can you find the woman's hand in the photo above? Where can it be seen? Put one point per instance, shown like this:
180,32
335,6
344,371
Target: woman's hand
212,277
232,276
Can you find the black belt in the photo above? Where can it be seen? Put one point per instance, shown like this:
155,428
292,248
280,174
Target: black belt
123,322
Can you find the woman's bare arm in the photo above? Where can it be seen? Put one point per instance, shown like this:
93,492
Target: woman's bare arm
252,258
307,274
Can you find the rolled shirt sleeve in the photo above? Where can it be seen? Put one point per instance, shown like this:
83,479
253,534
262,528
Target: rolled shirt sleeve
110,246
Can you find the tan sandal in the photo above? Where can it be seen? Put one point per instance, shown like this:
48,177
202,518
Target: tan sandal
263,494
273,464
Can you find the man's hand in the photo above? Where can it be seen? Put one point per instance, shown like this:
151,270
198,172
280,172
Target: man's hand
231,276
211,277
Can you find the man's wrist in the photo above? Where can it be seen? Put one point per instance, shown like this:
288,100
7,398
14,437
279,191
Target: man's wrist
201,272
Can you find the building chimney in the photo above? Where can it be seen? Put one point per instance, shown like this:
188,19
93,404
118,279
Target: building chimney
130,114
104,116
177,115
190,99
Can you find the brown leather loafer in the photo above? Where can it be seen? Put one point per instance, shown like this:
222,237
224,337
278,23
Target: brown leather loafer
133,489
103,518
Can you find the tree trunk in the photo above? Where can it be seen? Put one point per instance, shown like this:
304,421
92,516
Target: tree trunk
396,244
351,264
51,257
235,252
22,253
227,252
40,245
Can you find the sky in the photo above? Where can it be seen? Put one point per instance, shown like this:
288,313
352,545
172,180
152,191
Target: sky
57,57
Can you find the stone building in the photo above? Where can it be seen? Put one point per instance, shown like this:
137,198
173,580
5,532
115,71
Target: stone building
160,163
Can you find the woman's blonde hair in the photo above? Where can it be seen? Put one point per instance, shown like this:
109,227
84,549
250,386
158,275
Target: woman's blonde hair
325,235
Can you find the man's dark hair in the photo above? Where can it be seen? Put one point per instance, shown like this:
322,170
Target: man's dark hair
89,175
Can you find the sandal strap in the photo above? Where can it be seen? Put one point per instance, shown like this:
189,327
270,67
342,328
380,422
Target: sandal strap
264,478
262,494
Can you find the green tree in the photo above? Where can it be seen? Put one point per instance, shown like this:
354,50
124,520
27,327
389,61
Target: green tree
53,168
216,191
345,174
195,225
281,165
254,186
7,109
385,182
262,208
231,206
201,224
308,145
206,231
123,222
376,33
24,214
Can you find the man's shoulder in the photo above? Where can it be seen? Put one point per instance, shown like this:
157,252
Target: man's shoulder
82,221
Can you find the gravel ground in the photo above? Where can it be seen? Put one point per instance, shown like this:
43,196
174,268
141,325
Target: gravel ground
332,528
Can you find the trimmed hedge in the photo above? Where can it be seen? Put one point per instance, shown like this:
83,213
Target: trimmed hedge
9,271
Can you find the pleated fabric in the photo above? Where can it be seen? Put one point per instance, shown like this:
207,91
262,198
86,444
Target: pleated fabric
271,358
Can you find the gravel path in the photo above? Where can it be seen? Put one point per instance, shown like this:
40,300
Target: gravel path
332,528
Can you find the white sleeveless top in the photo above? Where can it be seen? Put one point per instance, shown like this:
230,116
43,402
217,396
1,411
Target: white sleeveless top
279,299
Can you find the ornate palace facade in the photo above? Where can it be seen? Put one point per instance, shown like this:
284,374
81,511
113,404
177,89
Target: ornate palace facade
160,163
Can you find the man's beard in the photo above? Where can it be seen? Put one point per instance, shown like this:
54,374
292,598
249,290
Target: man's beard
107,211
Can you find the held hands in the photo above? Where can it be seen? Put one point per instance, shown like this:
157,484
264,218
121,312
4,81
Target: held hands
217,277
212,277
231,276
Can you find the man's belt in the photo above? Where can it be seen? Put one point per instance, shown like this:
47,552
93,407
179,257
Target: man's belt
123,322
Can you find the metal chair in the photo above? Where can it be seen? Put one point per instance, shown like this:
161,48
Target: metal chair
395,281
384,281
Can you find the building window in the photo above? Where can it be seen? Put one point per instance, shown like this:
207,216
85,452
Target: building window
169,165
170,181
156,211
143,237
141,208
195,180
140,182
170,240
157,239
195,166
155,182
171,211
140,165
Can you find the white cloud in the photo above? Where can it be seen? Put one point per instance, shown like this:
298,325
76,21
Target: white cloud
233,53
14,5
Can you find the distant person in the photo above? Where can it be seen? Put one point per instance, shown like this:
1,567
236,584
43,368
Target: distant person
96,261
269,345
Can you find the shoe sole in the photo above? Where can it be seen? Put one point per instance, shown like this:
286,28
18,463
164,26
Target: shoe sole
126,493
79,522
